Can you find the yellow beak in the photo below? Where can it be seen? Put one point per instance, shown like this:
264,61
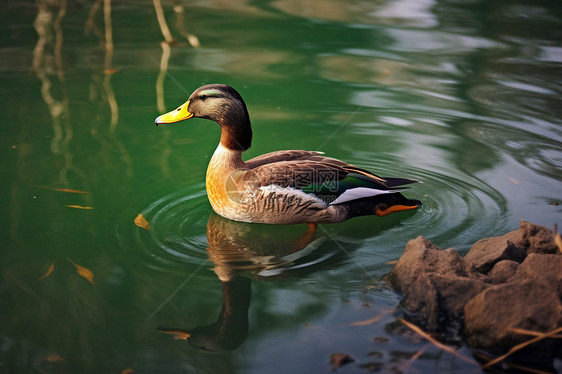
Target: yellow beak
176,115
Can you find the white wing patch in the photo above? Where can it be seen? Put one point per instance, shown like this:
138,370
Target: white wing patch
358,193
288,191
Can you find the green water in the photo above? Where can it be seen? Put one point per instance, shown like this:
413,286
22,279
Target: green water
463,96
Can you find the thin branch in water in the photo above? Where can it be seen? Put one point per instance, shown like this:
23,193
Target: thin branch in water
521,346
432,340
530,332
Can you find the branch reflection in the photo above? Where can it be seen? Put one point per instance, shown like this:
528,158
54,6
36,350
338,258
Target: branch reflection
49,67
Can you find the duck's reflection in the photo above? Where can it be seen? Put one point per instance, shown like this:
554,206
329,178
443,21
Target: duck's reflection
238,250
231,328
258,249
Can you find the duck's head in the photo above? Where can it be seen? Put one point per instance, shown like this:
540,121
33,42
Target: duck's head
219,103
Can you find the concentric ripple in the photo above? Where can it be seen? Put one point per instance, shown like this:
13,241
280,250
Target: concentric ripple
185,231
457,210
177,235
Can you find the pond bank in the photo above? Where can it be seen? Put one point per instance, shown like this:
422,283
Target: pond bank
506,291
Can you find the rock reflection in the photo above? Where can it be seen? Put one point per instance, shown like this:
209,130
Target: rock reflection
239,250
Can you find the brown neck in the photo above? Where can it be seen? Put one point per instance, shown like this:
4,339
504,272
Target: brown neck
236,131
232,141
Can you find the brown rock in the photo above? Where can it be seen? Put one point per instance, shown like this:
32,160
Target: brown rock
421,256
485,253
536,238
454,292
502,271
421,300
547,268
522,289
437,300
530,305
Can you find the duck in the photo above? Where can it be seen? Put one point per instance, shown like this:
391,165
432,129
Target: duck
285,186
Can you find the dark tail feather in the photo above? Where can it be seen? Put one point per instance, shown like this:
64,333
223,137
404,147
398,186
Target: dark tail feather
397,182
381,205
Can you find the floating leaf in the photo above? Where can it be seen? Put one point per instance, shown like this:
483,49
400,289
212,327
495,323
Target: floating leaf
69,190
53,358
178,334
48,272
83,272
391,262
110,71
127,371
141,222
79,207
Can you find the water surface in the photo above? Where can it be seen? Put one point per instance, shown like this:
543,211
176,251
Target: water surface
463,96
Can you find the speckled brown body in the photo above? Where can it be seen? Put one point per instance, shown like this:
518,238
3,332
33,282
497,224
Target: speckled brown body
235,192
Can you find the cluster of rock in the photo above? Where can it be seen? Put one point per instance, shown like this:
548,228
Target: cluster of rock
503,284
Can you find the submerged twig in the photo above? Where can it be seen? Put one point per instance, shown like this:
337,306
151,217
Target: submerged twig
531,333
521,346
432,340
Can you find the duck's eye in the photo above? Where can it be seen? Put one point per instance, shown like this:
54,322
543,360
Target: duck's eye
203,97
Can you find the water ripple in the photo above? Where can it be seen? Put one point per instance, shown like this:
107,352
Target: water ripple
457,210
164,245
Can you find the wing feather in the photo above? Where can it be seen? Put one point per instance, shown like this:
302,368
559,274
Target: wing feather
330,179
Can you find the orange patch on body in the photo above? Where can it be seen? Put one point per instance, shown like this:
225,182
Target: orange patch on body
394,208
216,189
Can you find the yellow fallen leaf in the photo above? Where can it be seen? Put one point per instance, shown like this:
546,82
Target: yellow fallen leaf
140,221
127,371
69,190
178,334
79,207
110,71
48,272
83,272
391,262
53,358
